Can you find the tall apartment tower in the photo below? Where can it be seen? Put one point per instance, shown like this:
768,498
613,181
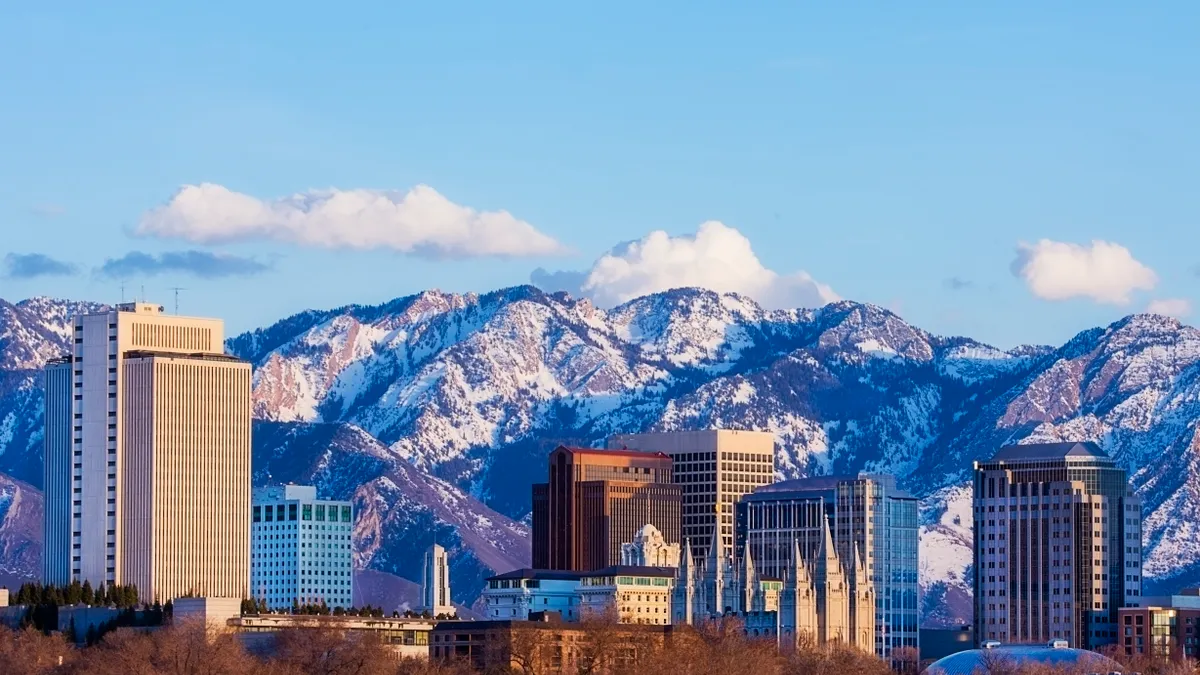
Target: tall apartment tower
872,525
302,548
1058,536
435,583
714,468
597,500
147,456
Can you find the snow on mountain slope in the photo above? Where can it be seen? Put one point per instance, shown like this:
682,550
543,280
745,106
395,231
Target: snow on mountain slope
428,407
20,532
400,510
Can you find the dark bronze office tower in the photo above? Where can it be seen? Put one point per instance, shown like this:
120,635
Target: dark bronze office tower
596,500
1058,537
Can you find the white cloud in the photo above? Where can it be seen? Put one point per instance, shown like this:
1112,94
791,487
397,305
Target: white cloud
717,257
1104,272
420,221
1176,307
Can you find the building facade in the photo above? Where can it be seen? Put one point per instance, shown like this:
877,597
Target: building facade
147,456
408,638
435,583
544,645
1165,628
596,500
631,594
1057,545
515,595
303,551
872,523
714,468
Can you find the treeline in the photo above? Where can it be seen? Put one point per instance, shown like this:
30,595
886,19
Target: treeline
259,606
193,649
75,593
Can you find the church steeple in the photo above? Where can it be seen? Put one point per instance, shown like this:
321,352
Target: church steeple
749,581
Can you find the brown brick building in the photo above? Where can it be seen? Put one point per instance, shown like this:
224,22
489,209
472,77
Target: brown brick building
596,500
1162,627
545,644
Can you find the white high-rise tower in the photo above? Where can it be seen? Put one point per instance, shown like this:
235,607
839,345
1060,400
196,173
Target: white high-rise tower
147,457
435,583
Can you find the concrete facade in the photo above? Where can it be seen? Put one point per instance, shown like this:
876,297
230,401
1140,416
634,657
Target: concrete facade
1057,545
714,468
159,428
303,548
514,595
435,583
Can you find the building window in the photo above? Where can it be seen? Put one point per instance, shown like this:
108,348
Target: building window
320,513
306,512
257,514
291,511
346,514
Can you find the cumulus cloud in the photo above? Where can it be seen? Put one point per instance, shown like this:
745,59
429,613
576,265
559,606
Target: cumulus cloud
1176,307
420,221
716,257
1104,272
197,263
33,265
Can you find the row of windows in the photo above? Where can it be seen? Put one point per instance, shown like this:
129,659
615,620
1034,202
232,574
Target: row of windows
280,512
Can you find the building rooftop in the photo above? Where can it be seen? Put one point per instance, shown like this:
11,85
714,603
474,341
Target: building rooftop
200,356
1042,451
612,453
632,571
1006,657
812,488
530,573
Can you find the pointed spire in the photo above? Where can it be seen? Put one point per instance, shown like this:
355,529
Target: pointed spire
685,560
830,551
715,559
798,564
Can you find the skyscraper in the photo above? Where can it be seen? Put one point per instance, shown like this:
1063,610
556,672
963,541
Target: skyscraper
435,583
597,500
871,522
303,549
714,468
1057,545
147,456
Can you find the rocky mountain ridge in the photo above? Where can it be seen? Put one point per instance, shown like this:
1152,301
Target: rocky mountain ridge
457,399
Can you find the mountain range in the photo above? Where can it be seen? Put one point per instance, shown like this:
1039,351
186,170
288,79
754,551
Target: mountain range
435,412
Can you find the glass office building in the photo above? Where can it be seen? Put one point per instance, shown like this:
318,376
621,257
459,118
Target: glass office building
867,515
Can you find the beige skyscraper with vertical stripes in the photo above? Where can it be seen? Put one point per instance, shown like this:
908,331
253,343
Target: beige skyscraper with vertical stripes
155,460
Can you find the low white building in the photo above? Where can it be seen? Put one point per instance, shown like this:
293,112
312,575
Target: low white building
636,594
513,595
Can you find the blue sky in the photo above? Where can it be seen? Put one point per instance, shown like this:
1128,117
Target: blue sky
896,153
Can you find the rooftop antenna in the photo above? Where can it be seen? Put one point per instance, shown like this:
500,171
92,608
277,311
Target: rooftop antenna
122,292
143,293
177,289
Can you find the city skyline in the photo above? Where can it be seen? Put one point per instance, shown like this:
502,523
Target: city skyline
912,159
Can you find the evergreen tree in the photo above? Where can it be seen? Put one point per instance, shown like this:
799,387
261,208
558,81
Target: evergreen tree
88,596
74,593
295,606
